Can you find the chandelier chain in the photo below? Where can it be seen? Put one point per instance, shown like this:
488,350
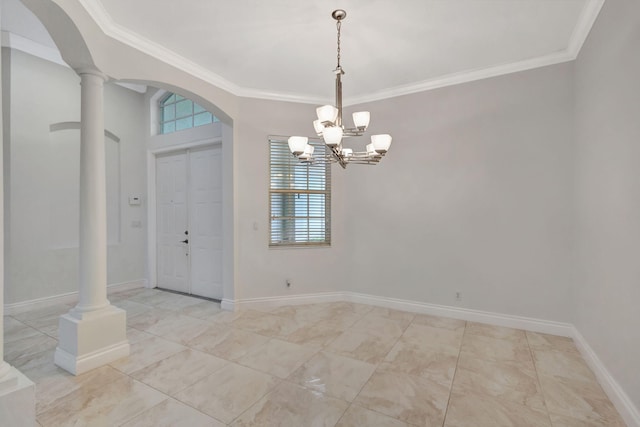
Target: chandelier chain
338,25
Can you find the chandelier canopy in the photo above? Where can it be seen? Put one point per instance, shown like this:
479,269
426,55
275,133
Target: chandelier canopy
329,125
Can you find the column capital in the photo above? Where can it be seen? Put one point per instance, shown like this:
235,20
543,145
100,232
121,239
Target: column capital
91,71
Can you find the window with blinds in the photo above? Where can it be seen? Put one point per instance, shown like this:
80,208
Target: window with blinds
299,197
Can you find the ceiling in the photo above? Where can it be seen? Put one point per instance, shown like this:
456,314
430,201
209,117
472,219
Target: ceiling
286,49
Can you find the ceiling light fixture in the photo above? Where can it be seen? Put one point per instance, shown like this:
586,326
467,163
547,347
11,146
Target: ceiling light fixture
329,126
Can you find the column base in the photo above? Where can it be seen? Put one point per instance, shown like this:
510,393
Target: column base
88,340
17,400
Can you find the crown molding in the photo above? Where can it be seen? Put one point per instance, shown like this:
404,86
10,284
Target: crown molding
463,77
582,29
23,44
99,14
578,37
286,97
14,41
133,86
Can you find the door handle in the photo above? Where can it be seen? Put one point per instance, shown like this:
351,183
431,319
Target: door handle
185,241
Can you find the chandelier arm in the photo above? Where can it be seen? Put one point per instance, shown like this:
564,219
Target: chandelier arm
339,157
352,132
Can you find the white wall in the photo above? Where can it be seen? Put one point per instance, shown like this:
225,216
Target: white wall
607,285
475,195
262,271
124,115
41,94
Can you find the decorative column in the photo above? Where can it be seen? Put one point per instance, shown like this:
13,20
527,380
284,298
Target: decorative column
17,392
93,333
93,196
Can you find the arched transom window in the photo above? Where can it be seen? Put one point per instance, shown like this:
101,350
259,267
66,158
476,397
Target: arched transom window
179,113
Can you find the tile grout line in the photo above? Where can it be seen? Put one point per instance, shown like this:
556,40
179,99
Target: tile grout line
361,316
530,351
169,397
535,368
343,414
324,348
446,411
376,369
257,400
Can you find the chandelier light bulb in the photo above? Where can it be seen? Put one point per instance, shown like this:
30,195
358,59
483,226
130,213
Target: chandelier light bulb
361,119
307,153
318,126
327,113
297,144
332,135
347,152
381,143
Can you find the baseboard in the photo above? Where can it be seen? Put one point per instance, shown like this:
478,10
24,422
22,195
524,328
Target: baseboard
228,304
497,319
67,298
270,302
80,364
35,304
628,411
127,286
518,322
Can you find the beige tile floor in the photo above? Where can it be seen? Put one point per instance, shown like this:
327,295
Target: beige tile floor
331,364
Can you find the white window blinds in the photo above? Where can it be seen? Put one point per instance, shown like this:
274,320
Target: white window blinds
299,197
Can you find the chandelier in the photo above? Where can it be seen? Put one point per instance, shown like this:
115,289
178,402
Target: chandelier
329,125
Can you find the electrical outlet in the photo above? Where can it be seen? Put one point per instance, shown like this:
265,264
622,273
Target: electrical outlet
458,296
288,282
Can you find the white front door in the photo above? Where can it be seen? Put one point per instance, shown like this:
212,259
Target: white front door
172,221
189,221
205,217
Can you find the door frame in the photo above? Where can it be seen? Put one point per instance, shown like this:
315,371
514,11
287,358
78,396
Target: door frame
152,154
